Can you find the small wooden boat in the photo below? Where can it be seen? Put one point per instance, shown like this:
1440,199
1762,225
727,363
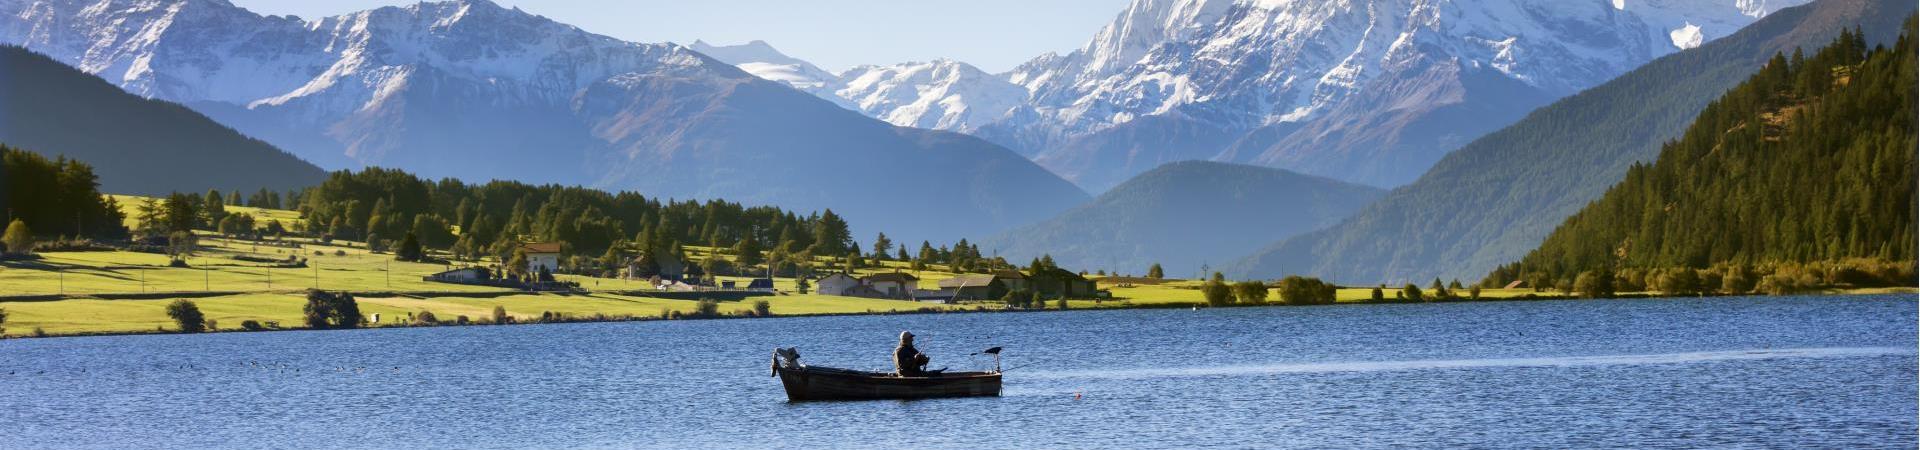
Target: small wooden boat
805,383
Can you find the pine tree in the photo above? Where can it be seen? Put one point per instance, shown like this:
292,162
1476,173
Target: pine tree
882,247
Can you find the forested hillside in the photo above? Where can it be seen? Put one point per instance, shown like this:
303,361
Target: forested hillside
1810,160
136,145
1493,200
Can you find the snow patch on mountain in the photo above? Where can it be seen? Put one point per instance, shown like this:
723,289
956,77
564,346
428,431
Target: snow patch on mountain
1687,36
762,60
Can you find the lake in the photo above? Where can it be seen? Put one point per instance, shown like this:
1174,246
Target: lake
1745,372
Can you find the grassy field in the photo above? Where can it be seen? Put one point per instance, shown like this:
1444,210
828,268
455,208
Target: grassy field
229,290
130,204
77,316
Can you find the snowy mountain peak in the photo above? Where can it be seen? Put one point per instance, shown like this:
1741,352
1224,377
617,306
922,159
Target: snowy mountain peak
762,60
941,94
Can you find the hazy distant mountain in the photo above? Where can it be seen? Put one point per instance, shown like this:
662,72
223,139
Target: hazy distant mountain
135,145
1184,215
1496,198
472,90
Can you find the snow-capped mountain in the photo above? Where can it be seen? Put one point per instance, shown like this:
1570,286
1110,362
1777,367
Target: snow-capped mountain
472,90
941,94
1363,90
1372,91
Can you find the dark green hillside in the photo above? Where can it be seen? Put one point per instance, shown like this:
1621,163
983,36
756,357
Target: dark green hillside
1495,199
135,145
1810,160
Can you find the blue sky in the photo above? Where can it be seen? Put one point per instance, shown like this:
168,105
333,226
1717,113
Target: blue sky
835,34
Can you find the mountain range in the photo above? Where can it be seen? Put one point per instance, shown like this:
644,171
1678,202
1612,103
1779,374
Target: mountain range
1495,199
472,90
135,145
1185,216
1370,91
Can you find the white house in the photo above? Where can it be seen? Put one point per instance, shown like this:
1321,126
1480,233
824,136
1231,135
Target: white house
542,254
836,284
893,285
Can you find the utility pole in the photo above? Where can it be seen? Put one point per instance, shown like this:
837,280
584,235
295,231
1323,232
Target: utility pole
389,274
269,278
206,276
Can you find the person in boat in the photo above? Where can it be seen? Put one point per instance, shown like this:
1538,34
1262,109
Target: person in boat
908,361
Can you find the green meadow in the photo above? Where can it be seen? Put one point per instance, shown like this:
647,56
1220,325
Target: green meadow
96,292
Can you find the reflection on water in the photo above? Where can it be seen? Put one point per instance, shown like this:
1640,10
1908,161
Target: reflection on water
1822,372
1565,361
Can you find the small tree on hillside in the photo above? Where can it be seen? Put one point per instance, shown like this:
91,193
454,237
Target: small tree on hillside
326,310
216,206
1412,292
1155,272
882,247
18,238
409,249
187,315
517,263
747,254
1379,295
181,245
1216,291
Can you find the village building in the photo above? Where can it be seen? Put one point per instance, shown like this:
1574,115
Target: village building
837,284
893,284
973,286
1055,282
760,285
542,255
1013,279
462,275
669,268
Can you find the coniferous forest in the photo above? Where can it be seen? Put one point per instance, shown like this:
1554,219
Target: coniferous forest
383,204
1807,167
55,197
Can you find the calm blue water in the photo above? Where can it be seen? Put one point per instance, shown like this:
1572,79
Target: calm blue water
1741,372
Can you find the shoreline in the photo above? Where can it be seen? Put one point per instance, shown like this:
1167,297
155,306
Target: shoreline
960,309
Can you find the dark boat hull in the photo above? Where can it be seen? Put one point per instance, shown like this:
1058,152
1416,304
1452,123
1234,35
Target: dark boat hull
816,384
